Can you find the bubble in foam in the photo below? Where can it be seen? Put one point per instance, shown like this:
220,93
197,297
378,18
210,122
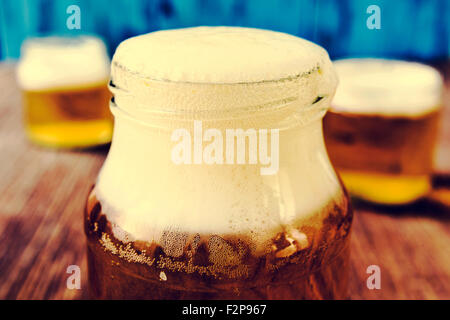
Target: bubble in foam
173,243
55,62
389,87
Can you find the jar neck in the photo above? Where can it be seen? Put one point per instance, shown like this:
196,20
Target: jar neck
204,143
160,103
259,138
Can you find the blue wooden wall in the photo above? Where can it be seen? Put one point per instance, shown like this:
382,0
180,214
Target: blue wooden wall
410,29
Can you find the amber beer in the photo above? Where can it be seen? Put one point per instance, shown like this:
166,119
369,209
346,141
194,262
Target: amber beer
382,127
65,93
159,229
302,262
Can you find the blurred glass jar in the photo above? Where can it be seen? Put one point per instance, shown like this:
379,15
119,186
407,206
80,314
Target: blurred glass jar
382,127
65,94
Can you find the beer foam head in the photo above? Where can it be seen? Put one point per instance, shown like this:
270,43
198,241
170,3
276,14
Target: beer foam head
215,69
219,55
386,87
201,68
56,62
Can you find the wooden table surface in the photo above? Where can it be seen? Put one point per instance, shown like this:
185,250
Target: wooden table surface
43,192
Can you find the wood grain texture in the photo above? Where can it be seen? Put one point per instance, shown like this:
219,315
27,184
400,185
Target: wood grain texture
43,192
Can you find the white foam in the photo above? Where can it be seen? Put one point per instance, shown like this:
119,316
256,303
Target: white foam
145,193
219,55
218,69
387,87
55,62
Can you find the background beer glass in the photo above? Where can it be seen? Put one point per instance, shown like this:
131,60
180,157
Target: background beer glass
65,94
382,127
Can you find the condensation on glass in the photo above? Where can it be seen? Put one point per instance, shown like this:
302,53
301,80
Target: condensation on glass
382,127
65,93
159,229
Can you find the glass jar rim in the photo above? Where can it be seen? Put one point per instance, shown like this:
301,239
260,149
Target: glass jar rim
201,83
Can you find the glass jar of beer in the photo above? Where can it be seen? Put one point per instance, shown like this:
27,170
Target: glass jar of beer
217,184
382,127
65,93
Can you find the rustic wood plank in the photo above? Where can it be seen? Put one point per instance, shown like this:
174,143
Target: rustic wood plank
42,196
